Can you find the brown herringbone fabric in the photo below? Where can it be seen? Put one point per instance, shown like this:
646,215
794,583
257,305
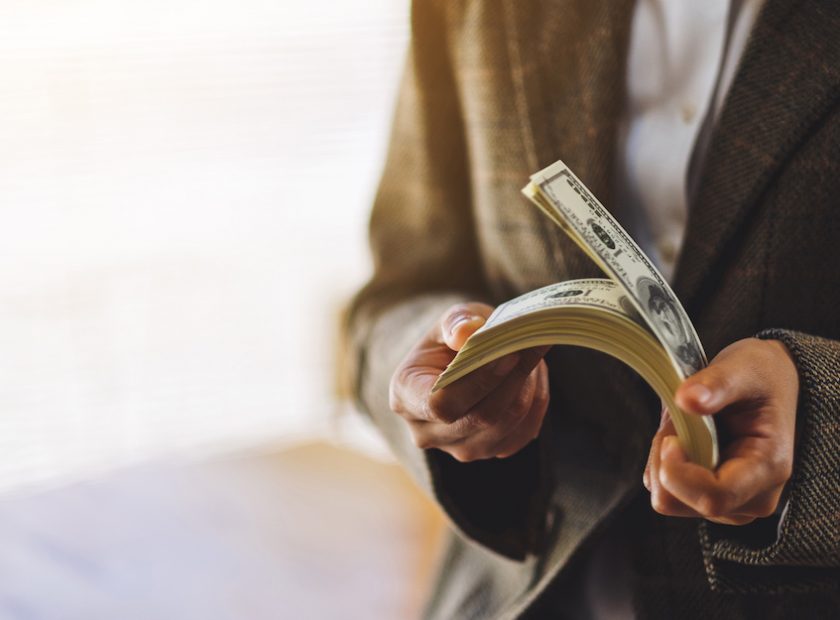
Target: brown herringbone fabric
497,89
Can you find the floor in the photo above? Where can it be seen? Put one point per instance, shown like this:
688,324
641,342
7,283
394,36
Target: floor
311,532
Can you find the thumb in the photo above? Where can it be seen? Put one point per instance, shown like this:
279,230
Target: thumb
460,322
728,379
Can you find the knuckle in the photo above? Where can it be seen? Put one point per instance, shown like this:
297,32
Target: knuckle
659,503
471,423
464,454
509,451
664,420
485,381
714,504
401,378
522,372
766,508
533,430
541,396
708,505
423,442
781,464
440,409
737,521
721,380
782,476
394,400
458,454
786,468
521,404
404,372
439,412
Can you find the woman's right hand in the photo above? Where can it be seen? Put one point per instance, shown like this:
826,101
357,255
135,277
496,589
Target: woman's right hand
495,411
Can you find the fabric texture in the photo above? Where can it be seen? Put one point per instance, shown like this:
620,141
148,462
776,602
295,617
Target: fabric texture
679,56
493,92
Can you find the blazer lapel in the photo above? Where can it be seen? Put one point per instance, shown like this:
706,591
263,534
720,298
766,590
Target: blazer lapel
789,76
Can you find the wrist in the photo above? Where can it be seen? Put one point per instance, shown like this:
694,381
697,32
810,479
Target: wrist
781,348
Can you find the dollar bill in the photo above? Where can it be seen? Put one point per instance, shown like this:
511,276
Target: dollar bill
583,303
567,201
597,293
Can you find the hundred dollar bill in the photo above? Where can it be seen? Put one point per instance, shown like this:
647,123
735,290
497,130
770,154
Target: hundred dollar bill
596,293
579,301
561,195
634,316
595,313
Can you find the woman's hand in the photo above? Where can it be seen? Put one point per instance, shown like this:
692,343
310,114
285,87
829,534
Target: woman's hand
751,388
494,411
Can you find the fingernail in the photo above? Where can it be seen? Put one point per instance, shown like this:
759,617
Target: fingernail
699,393
462,320
503,366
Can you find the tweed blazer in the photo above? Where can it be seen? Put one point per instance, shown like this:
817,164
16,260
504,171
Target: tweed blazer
495,90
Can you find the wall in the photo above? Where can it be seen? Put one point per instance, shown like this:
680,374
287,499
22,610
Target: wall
183,189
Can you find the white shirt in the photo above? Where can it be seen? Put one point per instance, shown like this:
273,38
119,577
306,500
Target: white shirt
683,55
682,58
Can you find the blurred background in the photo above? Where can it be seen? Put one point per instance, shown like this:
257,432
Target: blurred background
184,189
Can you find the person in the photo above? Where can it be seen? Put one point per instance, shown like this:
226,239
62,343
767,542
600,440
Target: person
711,130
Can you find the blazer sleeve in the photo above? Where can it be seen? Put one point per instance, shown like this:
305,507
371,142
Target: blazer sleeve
426,258
800,549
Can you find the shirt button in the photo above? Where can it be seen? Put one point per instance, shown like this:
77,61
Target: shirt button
688,112
668,251
550,518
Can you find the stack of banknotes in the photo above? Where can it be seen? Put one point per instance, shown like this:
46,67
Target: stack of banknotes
633,315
